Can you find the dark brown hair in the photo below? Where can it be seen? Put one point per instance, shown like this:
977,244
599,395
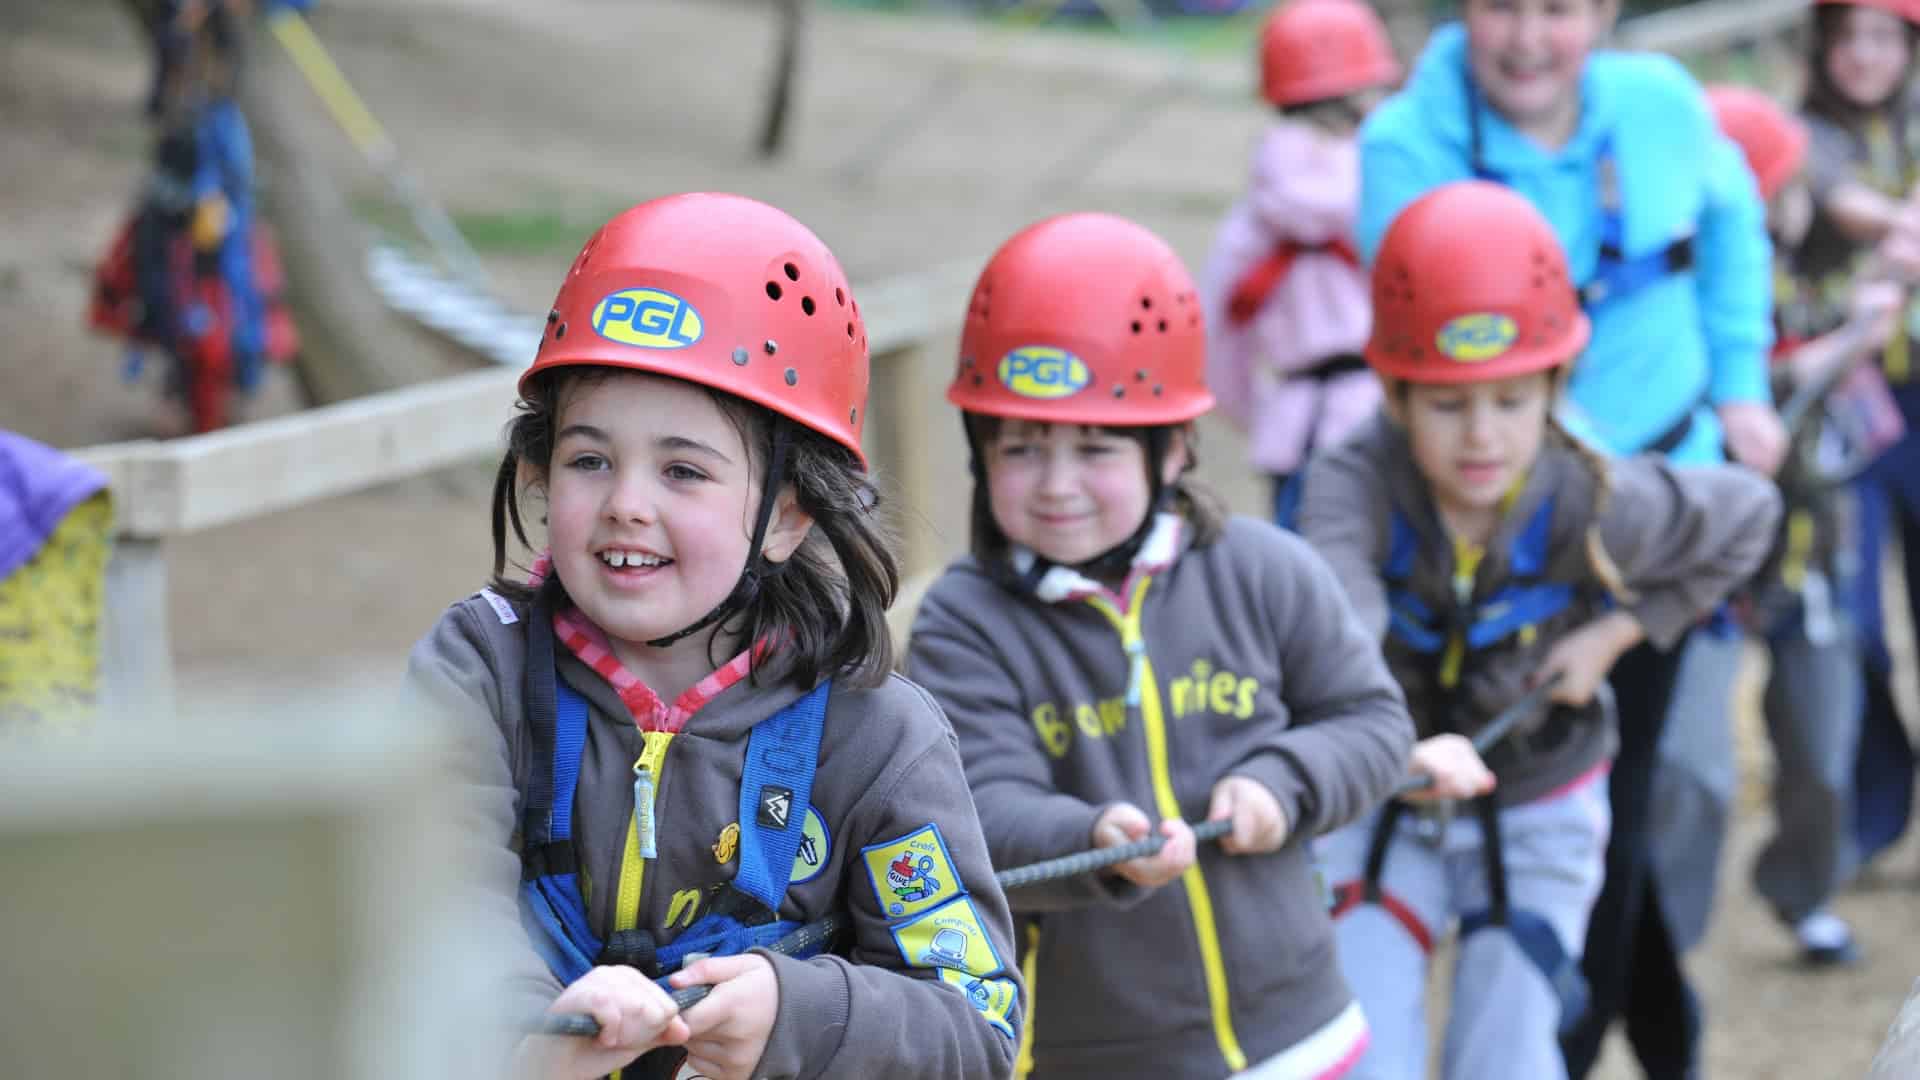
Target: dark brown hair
1186,496
1825,100
827,602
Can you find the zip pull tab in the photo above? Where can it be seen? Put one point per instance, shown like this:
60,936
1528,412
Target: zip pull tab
646,772
1136,667
643,808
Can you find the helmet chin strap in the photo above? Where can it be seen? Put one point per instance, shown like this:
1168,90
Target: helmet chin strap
756,569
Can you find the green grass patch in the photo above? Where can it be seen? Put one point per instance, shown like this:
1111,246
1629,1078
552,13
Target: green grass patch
522,231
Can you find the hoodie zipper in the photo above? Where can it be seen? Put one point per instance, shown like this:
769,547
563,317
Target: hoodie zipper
1143,694
641,831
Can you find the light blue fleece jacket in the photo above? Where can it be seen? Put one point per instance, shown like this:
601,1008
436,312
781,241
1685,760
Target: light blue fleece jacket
1689,341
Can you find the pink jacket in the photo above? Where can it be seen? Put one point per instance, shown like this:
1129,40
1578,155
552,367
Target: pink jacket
1304,189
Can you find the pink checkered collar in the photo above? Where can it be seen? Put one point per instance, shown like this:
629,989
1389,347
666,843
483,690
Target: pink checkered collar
589,644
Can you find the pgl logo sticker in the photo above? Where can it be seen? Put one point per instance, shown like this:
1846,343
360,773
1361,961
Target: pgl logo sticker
1477,338
1044,372
648,318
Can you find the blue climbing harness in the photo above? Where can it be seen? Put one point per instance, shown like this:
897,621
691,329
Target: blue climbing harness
775,791
1527,599
1469,626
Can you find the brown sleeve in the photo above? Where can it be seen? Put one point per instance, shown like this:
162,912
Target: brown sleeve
453,680
1347,734
1343,505
931,990
1685,537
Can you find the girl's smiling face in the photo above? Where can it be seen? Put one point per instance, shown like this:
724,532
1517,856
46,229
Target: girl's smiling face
651,496
1527,57
1068,492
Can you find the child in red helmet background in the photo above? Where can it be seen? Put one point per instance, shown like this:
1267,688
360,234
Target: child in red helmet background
683,735
1863,166
1796,605
1285,292
1488,551
1118,658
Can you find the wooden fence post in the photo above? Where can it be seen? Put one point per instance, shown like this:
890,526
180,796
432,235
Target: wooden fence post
898,446
136,657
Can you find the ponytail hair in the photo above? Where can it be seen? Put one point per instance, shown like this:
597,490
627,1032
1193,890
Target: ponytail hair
1599,560
824,608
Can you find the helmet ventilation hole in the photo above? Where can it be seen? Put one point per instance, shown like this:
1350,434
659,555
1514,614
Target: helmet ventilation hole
1119,391
806,304
853,415
1136,326
1146,303
793,272
1158,389
772,346
849,331
840,297
793,377
740,356
560,331
1163,326
1140,375
773,290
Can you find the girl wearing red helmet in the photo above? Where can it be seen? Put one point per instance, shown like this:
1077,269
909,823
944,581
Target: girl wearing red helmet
1488,551
1862,168
1285,294
686,740
1118,659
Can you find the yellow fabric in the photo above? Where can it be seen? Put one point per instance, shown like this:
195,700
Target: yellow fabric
1029,970
633,868
50,610
1199,901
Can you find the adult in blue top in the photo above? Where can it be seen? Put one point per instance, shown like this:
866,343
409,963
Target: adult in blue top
1666,237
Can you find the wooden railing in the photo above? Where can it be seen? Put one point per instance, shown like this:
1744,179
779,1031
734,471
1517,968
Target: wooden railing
167,489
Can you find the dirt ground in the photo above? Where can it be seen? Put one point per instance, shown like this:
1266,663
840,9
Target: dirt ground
570,109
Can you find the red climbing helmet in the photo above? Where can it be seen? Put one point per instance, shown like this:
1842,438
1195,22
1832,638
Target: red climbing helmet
723,291
1312,50
1084,319
1471,286
1774,142
1905,9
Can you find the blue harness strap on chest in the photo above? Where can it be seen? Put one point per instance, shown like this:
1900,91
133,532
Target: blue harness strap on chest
1615,273
776,789
1525,600
782,754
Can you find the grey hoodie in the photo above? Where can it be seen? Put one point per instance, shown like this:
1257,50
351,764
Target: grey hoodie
1246,660
1683,538
888,771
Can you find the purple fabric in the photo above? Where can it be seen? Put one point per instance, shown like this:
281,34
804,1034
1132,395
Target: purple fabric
1305,187
38,485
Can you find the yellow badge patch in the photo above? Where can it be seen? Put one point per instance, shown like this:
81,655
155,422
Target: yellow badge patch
913,873
816,844
997,999
728,845
1475,339
949,936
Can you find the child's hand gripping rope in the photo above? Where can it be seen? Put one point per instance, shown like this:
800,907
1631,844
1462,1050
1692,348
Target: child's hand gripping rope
814,933
1083,862
1450,767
